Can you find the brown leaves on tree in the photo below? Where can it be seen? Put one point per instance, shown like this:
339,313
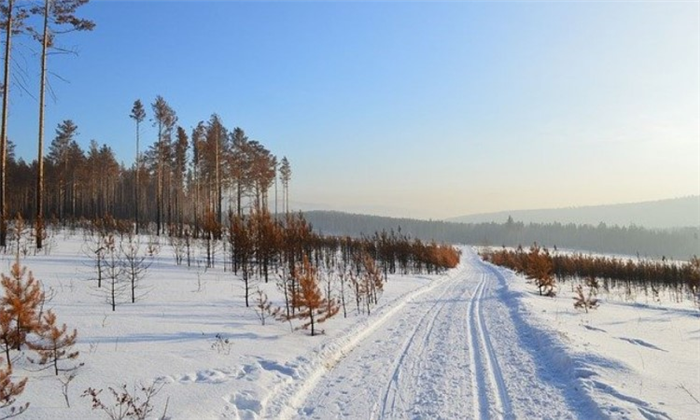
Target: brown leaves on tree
313,308
55,344
21,303
9,391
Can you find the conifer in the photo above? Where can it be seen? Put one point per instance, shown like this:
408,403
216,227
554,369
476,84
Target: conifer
9,391
313,307
55,344
22,302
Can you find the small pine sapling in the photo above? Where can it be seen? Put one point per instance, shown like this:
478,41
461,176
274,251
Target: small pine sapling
22,300
284,284
539,268
114,272
313,307
7,335
153,246
177,245
135,265
20,234
55,345
94,249
589,301
263,307
9,391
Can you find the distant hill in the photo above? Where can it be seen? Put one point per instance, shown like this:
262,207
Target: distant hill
678,243
671,213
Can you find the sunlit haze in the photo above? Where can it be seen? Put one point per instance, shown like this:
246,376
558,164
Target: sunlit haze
415,109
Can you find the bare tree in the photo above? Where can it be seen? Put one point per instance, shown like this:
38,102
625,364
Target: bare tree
135,264
114,272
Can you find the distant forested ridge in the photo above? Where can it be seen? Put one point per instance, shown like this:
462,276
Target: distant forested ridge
681,243
671,213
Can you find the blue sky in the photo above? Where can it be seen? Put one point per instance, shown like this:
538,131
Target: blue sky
402,108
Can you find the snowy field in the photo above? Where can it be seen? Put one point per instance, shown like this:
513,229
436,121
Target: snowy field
476,342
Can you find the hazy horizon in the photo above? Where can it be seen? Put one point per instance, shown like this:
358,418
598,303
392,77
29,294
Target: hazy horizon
426,110
537,215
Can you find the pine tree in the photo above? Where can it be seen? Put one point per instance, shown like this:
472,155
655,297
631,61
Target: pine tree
165,120
60,158
9,391
240,166
56,14
198,136
55,344
539,268
213,159
12,16
313,307
285,176
7,335
242,248
138,114
22,301
179,171
263,307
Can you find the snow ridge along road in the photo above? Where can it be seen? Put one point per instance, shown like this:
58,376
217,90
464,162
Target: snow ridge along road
484,361
450,351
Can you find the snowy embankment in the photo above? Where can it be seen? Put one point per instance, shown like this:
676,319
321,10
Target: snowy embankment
635,356
474,343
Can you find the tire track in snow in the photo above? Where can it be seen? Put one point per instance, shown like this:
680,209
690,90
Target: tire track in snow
392,391
485,367
289,397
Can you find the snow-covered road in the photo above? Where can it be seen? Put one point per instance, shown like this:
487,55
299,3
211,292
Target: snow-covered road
438,357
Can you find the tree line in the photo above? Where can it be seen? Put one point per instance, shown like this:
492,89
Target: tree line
679,244
679,280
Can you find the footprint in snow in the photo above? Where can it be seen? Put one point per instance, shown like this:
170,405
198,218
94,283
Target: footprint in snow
207,376
246,404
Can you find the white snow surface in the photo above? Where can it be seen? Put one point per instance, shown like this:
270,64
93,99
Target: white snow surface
474,343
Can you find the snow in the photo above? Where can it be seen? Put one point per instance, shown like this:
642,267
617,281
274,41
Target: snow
476,342
635,360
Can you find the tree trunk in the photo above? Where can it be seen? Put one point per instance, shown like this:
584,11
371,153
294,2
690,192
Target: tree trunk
39,222
159,181
136,181
3,130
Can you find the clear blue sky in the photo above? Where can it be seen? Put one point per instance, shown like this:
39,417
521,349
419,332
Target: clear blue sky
402,108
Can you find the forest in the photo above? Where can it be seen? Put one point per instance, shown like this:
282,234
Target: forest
680,244
174,182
